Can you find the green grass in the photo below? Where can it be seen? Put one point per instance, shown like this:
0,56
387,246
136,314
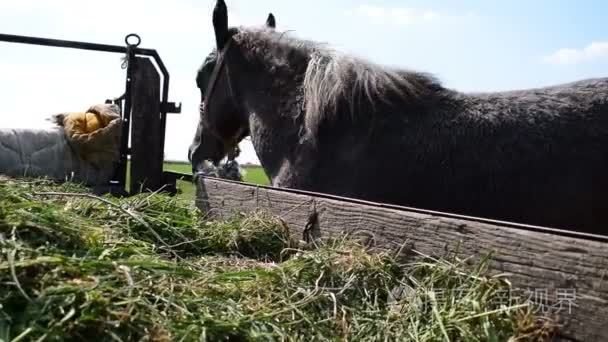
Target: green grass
75,267
255,175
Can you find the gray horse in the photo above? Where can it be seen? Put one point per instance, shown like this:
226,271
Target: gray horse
328,122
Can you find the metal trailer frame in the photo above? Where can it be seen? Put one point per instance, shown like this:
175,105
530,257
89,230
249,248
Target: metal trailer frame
132,52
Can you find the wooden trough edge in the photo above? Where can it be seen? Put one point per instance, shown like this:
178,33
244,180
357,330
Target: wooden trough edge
556,231
553,268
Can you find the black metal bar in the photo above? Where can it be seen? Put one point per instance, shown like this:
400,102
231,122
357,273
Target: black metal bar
120,167
74,44
188,177
126,126
163,106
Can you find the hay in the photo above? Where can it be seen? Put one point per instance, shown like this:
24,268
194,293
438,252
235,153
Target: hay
75,267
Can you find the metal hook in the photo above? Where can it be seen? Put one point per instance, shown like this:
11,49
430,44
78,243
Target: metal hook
130,48
132,35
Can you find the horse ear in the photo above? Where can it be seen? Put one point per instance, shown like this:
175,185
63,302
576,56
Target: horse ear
220,23
271,22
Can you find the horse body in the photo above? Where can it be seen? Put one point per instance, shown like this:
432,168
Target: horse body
331,123
536,156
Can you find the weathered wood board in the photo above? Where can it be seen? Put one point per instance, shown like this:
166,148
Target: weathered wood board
573,268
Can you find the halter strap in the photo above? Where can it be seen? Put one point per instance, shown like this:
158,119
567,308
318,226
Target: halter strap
216,72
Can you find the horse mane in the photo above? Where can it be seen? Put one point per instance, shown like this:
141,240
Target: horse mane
334,81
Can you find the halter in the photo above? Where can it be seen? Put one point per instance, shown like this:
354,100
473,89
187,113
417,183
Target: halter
215,74
214,77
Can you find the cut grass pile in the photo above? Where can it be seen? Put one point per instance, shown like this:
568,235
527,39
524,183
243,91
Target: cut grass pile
74,267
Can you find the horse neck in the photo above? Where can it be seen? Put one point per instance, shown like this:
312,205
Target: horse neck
271,93
275,123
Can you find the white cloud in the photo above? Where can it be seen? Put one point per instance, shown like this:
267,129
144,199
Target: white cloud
569,56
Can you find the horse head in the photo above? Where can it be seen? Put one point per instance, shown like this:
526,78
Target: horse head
223,122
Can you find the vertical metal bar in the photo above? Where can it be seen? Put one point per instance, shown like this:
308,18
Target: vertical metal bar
126,125
164,101
163,114
118,166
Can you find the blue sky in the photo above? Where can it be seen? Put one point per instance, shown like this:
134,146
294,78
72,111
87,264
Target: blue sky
470,45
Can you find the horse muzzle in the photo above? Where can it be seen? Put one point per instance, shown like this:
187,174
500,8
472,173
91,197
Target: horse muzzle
198,154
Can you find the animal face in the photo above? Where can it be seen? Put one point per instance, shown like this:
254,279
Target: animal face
223,122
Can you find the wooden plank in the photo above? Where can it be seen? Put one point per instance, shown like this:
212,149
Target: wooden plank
146,153
536,260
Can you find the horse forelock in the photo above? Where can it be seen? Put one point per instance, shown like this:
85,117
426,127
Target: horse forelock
335,81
